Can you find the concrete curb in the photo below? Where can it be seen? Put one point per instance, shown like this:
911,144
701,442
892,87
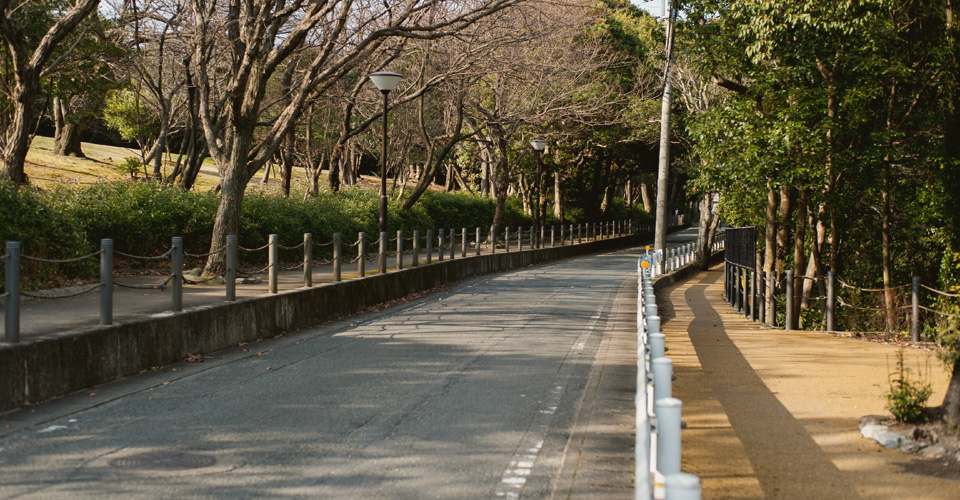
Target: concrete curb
54,365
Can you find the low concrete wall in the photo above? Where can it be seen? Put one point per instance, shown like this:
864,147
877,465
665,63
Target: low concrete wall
665,280
51,366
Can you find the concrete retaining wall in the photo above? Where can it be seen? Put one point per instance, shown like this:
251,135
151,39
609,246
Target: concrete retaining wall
51,366
683,273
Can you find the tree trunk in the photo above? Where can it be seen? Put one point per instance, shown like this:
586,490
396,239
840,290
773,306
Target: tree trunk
542,199
266,173
315,175
526,194
889,312
783,231
502,180
951,400
645,197
333,176
703,231
18,135
66,141
558,197
286,157
286,171
770,240
799,253
233,182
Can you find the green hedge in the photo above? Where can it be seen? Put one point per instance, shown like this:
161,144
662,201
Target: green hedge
141,217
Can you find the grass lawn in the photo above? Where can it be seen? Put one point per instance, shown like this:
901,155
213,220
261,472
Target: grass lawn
44,168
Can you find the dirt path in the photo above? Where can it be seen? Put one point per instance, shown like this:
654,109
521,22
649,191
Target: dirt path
774,414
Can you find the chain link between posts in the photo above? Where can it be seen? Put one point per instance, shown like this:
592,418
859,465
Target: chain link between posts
201,255
61,261
84,290
164,255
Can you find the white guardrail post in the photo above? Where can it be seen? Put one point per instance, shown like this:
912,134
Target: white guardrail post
658,414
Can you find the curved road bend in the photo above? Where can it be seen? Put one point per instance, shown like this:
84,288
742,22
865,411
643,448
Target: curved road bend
481,391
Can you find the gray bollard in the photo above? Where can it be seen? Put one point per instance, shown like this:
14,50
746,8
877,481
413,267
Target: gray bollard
657,343
440,238
399,249
231,274
307,260
772,299
176,270
416,248
553,236
579,234
478,241
653,326
668,411
650,309
682,486
362,254
106,281
11,316
336,257
273,264
790,320
453,243
831,299
662,369
463,242
493,240
382,253
429,251
506,239
520,239
561,235
543,237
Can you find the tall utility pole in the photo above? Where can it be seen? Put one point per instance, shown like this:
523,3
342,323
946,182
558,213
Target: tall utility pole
663,170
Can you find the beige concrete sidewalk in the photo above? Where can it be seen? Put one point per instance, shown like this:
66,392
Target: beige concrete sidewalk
774,414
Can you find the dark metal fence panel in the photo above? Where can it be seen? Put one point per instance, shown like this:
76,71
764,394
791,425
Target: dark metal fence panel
741,247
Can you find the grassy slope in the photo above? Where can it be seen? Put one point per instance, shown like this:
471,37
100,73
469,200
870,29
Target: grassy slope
43,167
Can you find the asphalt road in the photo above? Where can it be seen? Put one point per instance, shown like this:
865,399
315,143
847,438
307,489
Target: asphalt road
469,393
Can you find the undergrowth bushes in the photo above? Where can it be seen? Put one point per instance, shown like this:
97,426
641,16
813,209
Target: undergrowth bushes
142,217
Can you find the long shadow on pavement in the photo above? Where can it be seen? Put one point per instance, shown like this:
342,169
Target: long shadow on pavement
783,455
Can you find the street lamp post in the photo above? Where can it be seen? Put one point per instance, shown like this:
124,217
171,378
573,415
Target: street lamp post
538,145
385,82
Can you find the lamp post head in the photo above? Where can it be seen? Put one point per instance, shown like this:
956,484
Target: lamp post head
385,80
538,144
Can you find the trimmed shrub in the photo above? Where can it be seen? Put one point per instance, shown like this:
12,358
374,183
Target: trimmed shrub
27,216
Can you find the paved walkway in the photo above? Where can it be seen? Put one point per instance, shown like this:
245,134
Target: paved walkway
774,414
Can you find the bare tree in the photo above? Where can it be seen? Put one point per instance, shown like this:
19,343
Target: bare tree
552,76
260,37
29,67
